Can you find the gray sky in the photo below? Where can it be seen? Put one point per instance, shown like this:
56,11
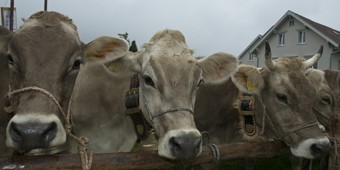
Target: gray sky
209,25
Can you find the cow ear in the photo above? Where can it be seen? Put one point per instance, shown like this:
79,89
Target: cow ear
105,49
217,67
248,79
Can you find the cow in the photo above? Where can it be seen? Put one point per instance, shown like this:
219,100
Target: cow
326,84
282,110
43,58
4,117
168,77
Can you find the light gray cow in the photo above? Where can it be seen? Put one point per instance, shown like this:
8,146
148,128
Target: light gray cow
327,86
43,58
169,77
283,99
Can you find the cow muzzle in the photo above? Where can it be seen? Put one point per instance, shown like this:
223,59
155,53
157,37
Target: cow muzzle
28,132
312,148
32,135
180,144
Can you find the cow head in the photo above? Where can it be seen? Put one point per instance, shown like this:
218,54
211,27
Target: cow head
288,97
45,52
324,97
333,80
169,78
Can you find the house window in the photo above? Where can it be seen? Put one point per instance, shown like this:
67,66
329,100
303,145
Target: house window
291,22
281,39
302,37
251,57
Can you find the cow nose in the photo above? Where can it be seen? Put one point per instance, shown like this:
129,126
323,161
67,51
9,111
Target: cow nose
185,146
32,135
319,149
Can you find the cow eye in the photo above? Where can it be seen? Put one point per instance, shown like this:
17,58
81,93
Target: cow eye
10,59
76,64
326,100
282,98
148,80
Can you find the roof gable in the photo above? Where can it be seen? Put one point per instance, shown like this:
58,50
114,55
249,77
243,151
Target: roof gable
329,34
322,30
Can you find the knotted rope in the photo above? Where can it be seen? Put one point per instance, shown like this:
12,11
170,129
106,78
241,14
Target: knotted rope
216,153
85,155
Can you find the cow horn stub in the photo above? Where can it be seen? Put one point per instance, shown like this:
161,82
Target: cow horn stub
310,62
268,55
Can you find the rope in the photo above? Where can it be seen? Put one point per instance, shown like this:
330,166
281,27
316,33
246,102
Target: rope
263,121
152,116
85,155
215,151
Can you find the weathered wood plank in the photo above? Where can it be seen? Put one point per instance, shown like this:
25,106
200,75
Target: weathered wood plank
142,160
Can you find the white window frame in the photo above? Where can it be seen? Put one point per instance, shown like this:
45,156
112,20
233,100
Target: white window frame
251,57
281,39
302,37
291,22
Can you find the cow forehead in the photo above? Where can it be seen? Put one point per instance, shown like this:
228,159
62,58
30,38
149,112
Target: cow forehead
290,65
57,22
175,68
290,77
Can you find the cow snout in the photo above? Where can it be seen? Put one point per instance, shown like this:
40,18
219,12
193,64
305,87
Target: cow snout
185,146
32,135
311,148
319,149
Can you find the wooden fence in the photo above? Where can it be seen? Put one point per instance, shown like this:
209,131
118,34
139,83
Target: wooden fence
144,159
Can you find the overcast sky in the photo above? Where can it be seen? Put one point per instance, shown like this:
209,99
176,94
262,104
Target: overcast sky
209,25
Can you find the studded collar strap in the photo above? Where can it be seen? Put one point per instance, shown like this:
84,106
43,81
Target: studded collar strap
132,109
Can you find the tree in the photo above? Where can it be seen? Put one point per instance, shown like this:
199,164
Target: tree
133,46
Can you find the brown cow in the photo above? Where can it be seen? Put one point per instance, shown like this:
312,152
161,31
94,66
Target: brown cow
283,98
169,76
43,57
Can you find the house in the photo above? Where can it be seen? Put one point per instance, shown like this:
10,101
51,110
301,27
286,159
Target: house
296,36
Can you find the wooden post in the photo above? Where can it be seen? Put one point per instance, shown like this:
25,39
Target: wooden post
11,16
334,158
45,5
144,159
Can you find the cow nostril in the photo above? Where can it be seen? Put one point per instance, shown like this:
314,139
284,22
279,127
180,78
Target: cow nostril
197,142
318,150
15,133
50,132
175,144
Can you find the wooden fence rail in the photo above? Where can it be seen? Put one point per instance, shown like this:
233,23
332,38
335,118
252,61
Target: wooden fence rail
142,160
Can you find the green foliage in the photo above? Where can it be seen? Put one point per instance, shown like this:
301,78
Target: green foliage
133,46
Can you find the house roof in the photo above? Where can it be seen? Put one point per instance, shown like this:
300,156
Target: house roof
251,44
329,34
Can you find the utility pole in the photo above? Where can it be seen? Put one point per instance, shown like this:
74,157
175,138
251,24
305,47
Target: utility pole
45,5
11,16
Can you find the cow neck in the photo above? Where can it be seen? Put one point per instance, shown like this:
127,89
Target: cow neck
333,126
85,155
133,110
334,135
